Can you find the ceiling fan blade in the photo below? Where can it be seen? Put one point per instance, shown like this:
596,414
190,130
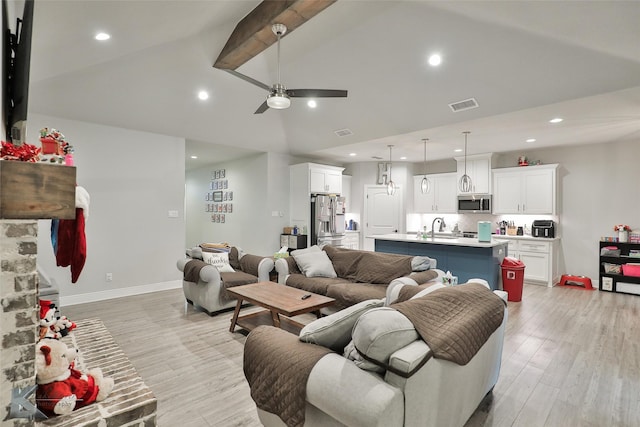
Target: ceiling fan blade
262,108
316,93
249,79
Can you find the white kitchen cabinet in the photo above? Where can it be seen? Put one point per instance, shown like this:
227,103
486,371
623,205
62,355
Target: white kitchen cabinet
540,257
479,169
441,197
325,179
351,240
525,190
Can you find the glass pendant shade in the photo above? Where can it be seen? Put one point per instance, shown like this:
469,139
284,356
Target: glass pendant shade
391,187
424,184
465,183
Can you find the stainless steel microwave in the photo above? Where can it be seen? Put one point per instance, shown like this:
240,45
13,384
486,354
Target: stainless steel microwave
476,203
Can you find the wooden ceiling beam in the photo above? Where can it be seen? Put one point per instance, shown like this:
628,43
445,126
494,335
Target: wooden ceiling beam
253,33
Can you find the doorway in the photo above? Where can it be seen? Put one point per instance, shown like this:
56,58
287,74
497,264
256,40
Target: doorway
382,213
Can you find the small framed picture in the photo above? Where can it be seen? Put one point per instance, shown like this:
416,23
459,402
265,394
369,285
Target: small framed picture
217,196
217,175
222,218
230,195
217,216
213,218
222,173
226,195
229,207
224,207
206,196
211,185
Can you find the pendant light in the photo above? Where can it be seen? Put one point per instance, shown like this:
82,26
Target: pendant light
391,187
425,184
465,184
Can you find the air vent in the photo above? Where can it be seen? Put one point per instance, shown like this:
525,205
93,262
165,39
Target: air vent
467,104
376,157
343,132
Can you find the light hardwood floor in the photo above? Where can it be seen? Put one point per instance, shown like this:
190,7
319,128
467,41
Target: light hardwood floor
571,358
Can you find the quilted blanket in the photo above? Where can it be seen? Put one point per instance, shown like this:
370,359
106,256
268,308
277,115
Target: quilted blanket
192,270
456,321
277,365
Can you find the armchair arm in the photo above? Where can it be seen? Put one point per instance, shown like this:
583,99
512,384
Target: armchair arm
257,265
282,268
208,273
352,396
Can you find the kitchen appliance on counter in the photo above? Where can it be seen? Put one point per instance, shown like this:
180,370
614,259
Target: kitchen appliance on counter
327,220
475,203
543,228
484,231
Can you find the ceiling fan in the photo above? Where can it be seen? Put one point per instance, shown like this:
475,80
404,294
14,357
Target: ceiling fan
279,96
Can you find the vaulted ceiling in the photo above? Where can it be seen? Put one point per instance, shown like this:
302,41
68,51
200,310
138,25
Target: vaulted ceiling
524,62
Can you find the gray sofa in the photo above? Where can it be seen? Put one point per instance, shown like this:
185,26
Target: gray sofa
353,275
415,390
209,290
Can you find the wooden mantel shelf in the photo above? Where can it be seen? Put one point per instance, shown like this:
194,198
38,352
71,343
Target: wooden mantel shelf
37,190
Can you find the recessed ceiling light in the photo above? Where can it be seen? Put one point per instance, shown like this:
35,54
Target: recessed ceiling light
194,157
403,158
203,95
352,154
312,103
102,36
531,140
556,120
435,60
458,150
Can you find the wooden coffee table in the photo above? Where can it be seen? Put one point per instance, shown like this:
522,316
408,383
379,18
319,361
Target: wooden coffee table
279,300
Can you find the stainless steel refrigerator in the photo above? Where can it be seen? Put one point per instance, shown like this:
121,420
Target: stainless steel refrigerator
327,220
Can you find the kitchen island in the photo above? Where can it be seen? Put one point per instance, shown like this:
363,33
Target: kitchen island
464,257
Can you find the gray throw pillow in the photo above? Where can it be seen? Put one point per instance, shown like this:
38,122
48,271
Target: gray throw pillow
315,264
334,331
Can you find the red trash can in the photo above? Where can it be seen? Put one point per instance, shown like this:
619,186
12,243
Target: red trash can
512,278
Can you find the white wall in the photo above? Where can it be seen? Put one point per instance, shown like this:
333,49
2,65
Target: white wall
134,179
260,185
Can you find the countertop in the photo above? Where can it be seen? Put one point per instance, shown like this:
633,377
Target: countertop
525,237
461,241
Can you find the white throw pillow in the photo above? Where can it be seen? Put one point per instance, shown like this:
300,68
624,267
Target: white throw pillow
219,260
334,331
311,249
315,264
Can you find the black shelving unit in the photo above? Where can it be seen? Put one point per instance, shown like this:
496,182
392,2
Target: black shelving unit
615,279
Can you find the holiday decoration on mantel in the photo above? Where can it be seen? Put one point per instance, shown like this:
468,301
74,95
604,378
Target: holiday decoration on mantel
25,152
55,148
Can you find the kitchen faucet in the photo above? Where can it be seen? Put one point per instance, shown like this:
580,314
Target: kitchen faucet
442,225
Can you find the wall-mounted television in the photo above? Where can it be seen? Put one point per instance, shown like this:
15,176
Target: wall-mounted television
17,56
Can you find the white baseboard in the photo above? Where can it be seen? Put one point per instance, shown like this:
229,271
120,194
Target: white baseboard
119,293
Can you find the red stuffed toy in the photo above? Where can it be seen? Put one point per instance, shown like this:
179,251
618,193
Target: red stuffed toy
61,388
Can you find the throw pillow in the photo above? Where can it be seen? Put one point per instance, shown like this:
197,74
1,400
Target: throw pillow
218,260
311,249
334,331
315,264
380,332
423,263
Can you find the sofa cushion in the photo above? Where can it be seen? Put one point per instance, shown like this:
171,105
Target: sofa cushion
218,260
380,332
317,285
237,278
347,294
345,261
234,258
315,264
334,331
377,267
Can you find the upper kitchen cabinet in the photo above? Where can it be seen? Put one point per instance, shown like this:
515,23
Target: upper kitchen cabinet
525,190
441,197
316,178
479,169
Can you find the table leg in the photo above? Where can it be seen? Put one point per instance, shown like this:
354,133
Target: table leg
234,319
275,318
318,314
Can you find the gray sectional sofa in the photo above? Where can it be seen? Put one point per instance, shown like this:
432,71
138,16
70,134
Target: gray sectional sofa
351,276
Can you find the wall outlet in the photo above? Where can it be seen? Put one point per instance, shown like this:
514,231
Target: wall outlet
108,277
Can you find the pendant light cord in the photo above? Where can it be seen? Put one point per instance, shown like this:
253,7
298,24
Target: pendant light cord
278,34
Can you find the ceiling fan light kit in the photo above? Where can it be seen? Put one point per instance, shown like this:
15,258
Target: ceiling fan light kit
465,183
279,97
